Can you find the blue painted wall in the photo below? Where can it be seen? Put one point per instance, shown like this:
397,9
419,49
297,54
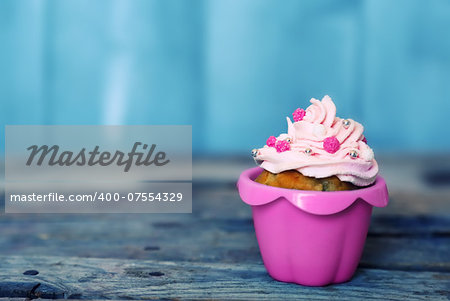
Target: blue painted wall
232,69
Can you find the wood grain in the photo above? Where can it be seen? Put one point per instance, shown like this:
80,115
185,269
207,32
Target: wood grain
93,278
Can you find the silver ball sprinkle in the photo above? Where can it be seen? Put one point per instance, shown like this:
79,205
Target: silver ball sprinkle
288,140
353,154
254,153
346,123
308,151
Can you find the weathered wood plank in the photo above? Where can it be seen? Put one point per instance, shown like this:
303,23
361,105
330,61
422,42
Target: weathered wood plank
407,254
410,226
393,242
221,200
89,278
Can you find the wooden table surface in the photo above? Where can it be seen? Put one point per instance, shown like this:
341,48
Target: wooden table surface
213,254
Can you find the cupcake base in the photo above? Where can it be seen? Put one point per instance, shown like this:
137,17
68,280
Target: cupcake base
292,179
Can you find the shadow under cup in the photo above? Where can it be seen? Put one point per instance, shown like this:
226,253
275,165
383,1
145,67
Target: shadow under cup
312,238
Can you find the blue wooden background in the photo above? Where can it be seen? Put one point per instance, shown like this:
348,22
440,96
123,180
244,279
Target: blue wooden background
232,69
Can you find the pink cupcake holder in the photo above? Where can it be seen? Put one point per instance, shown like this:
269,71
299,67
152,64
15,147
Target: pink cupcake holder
312,238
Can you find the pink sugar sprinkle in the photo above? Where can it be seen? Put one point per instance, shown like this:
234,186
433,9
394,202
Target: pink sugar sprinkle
282,146
271,141
331,144
298,114
364,140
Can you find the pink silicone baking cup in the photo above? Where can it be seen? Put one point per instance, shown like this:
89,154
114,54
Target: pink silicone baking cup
312,238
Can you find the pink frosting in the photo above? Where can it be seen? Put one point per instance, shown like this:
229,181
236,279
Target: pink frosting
353,161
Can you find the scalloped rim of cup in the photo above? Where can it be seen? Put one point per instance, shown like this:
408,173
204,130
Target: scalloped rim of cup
315,202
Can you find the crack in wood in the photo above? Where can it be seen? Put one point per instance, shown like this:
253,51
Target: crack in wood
32,294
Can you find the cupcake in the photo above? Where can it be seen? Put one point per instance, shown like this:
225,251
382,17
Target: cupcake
312,196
